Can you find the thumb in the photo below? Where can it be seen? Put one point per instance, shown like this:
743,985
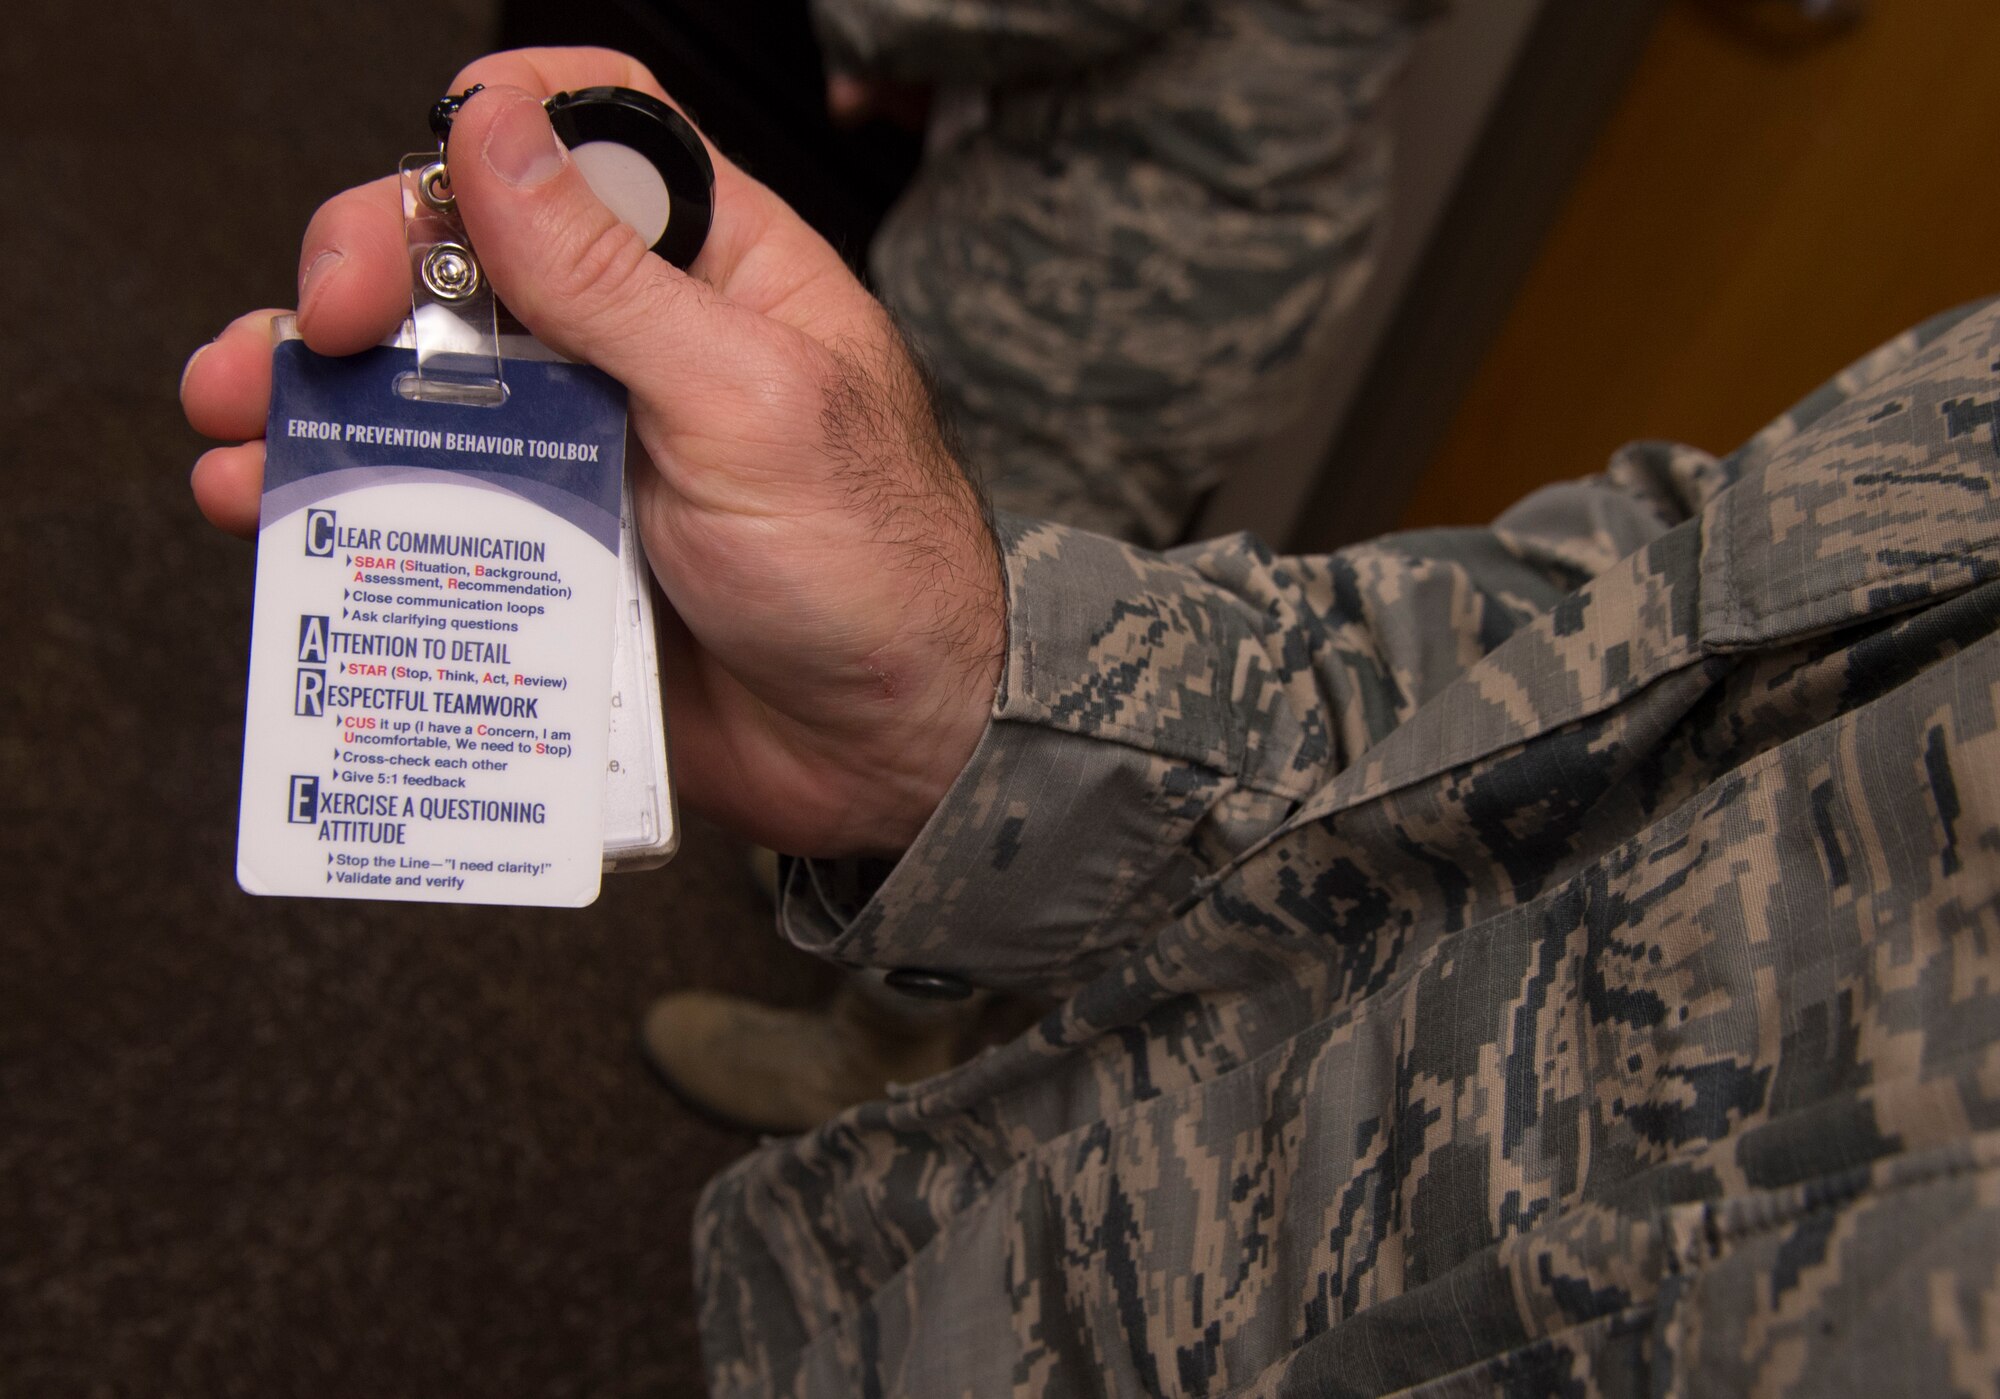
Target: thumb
583,282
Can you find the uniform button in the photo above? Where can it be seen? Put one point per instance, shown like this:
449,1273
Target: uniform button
931,986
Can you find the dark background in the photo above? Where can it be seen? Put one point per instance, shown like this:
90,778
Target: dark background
274,1147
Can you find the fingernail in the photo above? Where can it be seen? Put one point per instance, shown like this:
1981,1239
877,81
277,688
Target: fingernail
521,147
188,368
315,275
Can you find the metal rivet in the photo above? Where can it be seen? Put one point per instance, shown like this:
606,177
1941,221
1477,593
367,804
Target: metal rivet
435,187
451,272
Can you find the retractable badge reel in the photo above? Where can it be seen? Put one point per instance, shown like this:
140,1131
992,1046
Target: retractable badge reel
640,157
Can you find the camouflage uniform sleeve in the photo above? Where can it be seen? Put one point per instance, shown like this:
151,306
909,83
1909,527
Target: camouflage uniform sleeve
983,43
1160,714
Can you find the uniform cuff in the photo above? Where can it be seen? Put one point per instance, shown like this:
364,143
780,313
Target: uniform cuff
1072,831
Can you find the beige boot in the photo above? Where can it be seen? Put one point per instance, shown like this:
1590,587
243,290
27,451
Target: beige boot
778,1070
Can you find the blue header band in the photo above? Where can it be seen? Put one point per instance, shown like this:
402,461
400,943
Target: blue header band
559,439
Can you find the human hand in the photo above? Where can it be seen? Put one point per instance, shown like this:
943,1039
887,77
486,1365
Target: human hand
836,615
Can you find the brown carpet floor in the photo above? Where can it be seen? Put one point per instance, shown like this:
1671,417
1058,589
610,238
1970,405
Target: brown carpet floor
265,1147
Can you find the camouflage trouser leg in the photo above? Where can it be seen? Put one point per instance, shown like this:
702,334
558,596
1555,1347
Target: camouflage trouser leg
1103,352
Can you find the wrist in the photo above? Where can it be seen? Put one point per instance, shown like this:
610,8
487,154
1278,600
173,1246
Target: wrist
958,623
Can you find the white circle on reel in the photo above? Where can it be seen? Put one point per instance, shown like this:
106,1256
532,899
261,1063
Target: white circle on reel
630,185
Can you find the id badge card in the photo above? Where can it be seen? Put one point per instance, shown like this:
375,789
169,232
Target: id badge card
432,645
454,681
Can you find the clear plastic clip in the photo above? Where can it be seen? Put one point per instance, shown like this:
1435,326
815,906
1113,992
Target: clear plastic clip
453,324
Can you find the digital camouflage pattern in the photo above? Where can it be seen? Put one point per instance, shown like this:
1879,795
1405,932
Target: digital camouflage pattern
1559,958
1119,269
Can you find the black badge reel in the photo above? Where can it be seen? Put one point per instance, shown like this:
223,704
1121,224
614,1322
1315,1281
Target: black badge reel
640,157
644,161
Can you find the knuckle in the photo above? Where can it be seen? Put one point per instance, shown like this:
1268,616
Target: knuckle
364,216
607,270
640,76
491,70
321,230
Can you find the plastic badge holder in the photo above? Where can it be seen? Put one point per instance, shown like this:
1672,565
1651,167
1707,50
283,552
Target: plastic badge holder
641,829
